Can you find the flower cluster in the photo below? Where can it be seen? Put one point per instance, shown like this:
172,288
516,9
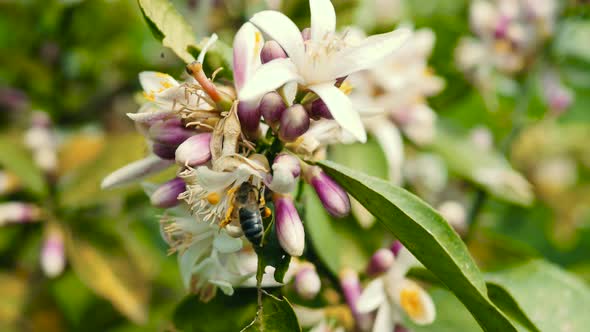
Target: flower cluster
509,34
241,145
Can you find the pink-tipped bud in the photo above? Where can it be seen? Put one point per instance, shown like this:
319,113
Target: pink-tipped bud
167,194
195,150
288,225
319,110
53,259
334,199
307,281
351,289
285,170
18,212
294,123
249,115
272,107
164,151
380,262
288,161
170,132
272,50
396,247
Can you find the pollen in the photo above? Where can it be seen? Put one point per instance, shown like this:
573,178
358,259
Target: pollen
166,84
149,96
213,198
162,75
266,212
411,302
346,87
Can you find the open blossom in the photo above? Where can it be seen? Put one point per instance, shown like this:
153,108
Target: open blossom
317,62
393,96
393,295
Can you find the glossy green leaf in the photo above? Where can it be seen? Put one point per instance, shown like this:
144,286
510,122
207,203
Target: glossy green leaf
428,236
487,169
554,300
169,26
15,158
234,313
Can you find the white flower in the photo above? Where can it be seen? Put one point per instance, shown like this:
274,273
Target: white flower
210,193
318,62
393,295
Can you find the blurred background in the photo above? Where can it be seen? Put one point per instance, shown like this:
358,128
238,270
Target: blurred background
73,257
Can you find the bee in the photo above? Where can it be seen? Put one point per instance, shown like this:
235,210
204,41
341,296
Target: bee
250,203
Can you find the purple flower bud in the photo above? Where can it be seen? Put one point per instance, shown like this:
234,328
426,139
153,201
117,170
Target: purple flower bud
288,225
319,109
351,289
195,150
53,259
501,28
18,212
294,123
170,132
380,262
396,247
249,115
307,282
164,151
272,107
167,194
290,162
272,50
306,34
334,199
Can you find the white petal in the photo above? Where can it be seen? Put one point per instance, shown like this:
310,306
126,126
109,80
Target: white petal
210,41
289,92
212,180
323,19
341,109
269,77
369,52
416,302
187,260
152,81
225,286
135,171
391,143
371,297
148,113
280,28
226,244
384,320
248,43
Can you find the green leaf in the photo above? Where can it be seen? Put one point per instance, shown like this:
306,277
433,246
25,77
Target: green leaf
553,299
233,313
169,26
15,158
428,236
487,169
110,273
329,235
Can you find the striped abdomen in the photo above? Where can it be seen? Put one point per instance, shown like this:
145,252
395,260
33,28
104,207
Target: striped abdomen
251,223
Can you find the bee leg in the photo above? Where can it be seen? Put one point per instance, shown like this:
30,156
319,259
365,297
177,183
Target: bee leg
230,210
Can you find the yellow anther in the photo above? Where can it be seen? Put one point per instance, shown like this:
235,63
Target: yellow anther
162,75
149,96
411,301
213,198
346,87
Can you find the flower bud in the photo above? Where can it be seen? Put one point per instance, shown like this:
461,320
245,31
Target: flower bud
166,195
164,151
351,289
17,212
272,107
319,109
396,247
288,161
249,115
288,225
380,262
307,281
294,123
195,150
334,199
53,258
170,132
272,50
